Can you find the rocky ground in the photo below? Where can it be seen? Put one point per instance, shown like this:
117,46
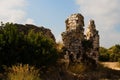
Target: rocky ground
104,71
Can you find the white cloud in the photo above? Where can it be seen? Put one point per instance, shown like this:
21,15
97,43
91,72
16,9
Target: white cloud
29,21
106,14
12,10
58,38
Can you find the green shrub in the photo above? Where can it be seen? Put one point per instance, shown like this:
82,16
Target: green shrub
32,48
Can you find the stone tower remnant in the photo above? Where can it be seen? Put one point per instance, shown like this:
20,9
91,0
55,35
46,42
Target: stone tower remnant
76,44
93,36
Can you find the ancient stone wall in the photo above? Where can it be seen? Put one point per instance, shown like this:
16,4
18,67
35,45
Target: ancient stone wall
73,36
27,27
75,40
74,21
93,36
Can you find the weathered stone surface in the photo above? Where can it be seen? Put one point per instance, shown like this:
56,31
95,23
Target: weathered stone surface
92,35
74,21
73,36
76,44
25,28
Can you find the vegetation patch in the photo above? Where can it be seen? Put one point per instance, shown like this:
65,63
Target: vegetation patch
23,72
31,48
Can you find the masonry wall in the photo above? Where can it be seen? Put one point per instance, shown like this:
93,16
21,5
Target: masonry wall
74,37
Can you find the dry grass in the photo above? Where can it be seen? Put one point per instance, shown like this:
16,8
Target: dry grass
100,73
77,68
118,65
23,72
108,73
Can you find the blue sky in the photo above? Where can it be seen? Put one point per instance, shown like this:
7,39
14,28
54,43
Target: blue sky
52,14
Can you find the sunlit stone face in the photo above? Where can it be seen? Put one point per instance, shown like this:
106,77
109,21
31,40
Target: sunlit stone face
74,21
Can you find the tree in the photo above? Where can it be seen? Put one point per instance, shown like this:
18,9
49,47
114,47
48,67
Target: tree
114,52
42,48
104,54
9,37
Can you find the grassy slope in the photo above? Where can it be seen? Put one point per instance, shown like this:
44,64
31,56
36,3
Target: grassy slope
100,73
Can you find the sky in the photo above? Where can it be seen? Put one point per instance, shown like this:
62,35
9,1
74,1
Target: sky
53,13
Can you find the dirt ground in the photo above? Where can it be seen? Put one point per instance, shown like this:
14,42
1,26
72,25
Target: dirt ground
111,65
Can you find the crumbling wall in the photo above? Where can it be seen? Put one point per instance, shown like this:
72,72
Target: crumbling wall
73,36
93,36
77,45
27,27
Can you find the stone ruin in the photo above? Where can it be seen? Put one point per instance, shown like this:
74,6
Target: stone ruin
77,45
27,27
93,36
